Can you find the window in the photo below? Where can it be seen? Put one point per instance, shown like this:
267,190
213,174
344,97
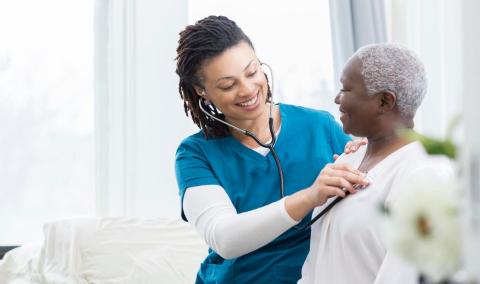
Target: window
432,28
46,115
294,39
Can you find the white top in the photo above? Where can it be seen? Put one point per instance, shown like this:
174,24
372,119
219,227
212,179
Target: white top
209,209
264,151
347,244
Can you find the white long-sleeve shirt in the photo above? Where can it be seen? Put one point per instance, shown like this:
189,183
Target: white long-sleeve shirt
209,209
347,244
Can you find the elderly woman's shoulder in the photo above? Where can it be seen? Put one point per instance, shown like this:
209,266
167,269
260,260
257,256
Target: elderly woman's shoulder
421,162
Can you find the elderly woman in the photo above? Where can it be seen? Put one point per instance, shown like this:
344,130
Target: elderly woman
382,87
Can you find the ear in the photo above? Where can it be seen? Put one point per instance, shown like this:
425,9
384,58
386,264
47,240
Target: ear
387,100
200,91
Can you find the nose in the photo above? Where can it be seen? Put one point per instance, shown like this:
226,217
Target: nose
337,98
246,88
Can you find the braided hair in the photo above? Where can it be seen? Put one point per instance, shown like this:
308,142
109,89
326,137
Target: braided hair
204,40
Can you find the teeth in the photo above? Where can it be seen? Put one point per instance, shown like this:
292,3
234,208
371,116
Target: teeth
250,102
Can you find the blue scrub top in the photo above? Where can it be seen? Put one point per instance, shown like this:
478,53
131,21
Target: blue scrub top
306,143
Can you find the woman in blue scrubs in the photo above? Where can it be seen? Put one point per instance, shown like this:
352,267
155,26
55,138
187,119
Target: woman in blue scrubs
229,186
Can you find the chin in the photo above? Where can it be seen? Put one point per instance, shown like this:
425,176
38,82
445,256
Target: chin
346,129
351,131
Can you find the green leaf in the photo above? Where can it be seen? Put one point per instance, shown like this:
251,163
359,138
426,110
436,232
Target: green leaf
433,146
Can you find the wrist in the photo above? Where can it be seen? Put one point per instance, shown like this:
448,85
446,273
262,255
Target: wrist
308,198
299,204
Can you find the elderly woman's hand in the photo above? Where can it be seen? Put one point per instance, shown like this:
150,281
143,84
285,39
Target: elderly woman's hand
352,146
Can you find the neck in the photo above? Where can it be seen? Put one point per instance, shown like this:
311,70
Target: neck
380,146
388,135
379,143
258,126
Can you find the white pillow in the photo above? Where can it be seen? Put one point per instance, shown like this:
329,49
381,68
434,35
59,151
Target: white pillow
119,250
16,267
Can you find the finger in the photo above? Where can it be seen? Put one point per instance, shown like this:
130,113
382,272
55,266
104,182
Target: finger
344,167
352,178
338,182
352,190
348,146
332,191
359,143
339,192
326,170
335,157
329,192
356,146
357,180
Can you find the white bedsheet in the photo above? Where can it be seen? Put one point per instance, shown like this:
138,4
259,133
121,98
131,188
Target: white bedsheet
108,250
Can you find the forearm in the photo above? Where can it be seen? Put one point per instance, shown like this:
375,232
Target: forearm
243,233
228,233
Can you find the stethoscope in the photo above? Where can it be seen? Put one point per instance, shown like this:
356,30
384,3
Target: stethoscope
270,146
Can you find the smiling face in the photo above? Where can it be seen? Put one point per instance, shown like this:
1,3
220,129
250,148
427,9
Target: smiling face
235,83
360,112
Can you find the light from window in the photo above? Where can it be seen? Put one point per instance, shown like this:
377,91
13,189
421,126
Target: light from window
294,38
46,115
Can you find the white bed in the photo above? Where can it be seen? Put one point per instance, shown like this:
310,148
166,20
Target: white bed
108,250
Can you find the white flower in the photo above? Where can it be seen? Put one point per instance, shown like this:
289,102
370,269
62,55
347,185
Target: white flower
425,226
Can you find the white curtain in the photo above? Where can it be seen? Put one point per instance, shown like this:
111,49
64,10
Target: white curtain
355,23
433,29
139,117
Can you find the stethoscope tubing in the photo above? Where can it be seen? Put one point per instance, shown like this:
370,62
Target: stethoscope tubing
270,146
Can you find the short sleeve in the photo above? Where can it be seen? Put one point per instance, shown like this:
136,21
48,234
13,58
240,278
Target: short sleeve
338,138
192,167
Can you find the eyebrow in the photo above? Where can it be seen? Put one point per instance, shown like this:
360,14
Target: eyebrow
231,77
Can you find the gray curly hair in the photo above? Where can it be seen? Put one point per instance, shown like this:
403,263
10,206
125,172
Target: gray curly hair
394,68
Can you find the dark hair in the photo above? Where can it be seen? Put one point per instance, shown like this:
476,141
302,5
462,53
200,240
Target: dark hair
204,40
